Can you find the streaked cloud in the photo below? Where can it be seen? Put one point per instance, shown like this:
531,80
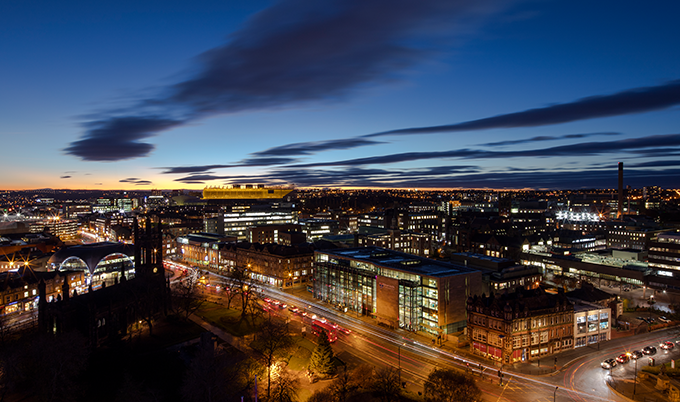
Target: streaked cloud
136,181
545,138
253,162
637,100
119,138
579,149
291,54
308,148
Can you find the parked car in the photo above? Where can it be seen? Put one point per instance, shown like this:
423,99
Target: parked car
636,354
664,319
609,363
623,358
649,350
626,289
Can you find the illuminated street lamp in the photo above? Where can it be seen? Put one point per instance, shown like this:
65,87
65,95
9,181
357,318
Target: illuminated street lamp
399,350
635,383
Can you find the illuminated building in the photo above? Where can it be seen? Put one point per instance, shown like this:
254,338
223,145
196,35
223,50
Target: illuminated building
19,290
76,210
275,264
592,324
664,257
520,326
376,220
65,229
203,249
245,192
270,233
399,289
236,220
630,234
600,268
407,241
318,228
500,274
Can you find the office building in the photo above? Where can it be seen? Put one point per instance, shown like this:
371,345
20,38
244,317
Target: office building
398,289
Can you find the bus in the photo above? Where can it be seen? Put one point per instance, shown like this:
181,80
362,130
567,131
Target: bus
331,330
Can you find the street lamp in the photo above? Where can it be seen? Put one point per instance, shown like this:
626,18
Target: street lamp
399,349
635,383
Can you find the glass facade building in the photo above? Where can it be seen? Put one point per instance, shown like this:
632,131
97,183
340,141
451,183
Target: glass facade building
399,289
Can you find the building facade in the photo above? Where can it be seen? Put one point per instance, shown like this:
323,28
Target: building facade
397,289
520,326
592,324
409,242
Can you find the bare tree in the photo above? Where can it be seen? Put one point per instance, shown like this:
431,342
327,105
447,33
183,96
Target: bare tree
362,376
219,376
386,385
321,395
245,288
186,298
343,386
447,385
285,388
230,289
273,341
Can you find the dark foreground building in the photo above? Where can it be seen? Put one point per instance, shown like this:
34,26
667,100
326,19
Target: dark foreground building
108,313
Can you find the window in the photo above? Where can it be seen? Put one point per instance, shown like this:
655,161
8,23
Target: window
534,339
516,342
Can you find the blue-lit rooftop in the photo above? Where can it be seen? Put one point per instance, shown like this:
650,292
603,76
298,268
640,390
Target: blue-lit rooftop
399,261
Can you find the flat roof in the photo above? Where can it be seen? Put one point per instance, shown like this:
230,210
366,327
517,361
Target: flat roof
400,261
580,305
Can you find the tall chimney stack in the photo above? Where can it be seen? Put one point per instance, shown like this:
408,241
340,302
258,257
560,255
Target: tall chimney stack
619,213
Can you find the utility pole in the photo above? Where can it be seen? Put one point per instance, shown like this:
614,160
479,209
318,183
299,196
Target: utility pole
635,383
399,350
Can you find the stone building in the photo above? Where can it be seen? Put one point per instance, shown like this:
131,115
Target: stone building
524,325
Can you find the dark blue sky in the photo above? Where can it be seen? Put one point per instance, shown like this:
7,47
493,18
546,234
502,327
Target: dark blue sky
346,93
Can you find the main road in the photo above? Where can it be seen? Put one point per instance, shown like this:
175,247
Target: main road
583,380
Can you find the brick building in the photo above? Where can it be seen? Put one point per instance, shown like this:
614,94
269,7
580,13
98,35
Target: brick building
524,325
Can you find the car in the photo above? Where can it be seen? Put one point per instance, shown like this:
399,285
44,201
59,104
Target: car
649,350
623,358
294,309
641,318
667,345
664,319
626,289
636,354
609,363
345,331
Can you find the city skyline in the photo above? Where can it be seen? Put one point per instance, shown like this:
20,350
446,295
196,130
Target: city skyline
377,94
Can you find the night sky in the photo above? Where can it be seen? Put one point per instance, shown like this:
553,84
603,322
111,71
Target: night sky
348,93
